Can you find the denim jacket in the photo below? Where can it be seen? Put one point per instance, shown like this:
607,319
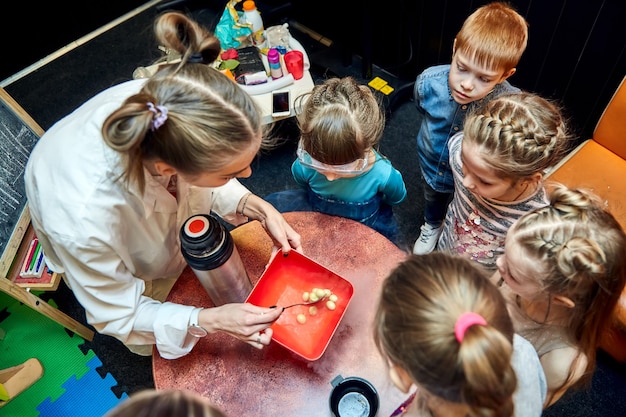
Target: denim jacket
442,118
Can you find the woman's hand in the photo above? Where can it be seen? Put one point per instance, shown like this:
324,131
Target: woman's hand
283,235
243,321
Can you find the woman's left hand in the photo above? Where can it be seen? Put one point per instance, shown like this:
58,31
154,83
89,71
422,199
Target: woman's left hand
283,235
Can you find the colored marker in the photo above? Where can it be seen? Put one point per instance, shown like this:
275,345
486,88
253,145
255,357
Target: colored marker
31,253
39,264
32,263
24,270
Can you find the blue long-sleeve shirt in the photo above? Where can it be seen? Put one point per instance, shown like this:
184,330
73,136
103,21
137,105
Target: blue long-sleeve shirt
382,178
442,118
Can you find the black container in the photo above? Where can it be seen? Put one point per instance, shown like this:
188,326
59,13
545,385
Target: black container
210,251
353,397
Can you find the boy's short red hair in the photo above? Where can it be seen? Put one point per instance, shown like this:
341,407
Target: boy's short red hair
494,36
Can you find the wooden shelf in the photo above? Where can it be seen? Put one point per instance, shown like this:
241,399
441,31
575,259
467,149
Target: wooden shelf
47,282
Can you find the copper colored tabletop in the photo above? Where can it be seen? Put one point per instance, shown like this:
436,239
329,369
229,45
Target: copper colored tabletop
244,381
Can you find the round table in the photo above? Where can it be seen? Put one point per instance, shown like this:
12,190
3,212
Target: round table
244,381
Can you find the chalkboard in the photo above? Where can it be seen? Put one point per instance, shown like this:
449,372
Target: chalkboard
18,135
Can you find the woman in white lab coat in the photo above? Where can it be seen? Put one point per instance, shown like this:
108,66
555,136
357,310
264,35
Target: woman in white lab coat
97,186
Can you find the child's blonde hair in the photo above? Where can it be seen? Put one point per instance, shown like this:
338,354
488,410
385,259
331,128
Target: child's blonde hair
494,36
579,251
340,121
518,134
165,403
414,328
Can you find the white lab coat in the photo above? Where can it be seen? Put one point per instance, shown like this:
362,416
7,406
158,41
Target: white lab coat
106,238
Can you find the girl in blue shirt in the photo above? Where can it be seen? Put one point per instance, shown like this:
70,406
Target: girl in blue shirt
337,166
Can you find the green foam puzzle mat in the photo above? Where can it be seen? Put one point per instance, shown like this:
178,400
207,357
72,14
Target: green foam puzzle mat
29,334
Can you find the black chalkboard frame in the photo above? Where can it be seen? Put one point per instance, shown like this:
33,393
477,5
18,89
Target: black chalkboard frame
18,135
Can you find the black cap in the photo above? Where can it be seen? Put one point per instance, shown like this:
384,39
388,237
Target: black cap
205,243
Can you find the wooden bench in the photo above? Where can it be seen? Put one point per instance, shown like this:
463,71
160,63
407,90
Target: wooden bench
599,164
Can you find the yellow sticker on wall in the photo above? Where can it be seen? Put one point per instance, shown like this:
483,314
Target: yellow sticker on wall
386,90
377,83
381,85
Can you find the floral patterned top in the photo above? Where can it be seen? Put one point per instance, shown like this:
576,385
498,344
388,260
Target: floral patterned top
475,226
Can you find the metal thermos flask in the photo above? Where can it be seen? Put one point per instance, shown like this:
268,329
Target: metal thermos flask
210,251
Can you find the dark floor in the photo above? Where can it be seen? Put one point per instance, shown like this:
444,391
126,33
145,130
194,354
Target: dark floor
56,89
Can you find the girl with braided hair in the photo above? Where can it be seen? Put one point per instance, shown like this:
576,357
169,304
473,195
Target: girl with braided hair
449,341
338,167
562,273
498,162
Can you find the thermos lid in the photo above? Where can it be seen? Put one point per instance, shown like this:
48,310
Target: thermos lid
196,226
204,242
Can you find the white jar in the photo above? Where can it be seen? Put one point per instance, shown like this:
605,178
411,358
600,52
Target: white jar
252,16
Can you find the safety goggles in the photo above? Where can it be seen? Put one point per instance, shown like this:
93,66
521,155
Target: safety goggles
351,168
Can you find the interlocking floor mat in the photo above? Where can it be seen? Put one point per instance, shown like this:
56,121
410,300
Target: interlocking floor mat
71,385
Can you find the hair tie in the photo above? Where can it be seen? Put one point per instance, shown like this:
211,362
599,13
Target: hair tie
465,321
160,115
195,58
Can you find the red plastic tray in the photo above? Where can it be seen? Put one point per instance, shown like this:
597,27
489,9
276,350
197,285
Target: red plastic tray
283,283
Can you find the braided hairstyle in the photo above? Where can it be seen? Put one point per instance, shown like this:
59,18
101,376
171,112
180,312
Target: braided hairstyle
414,328
340,121
209,117
518,134
579,250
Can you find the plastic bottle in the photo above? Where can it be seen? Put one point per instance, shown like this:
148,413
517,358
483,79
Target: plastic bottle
252,16
210,251
273,59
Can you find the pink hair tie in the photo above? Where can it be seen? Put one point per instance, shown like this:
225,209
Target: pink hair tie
160,115
465,321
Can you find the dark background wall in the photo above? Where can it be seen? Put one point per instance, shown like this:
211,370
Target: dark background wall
576,51
34,30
